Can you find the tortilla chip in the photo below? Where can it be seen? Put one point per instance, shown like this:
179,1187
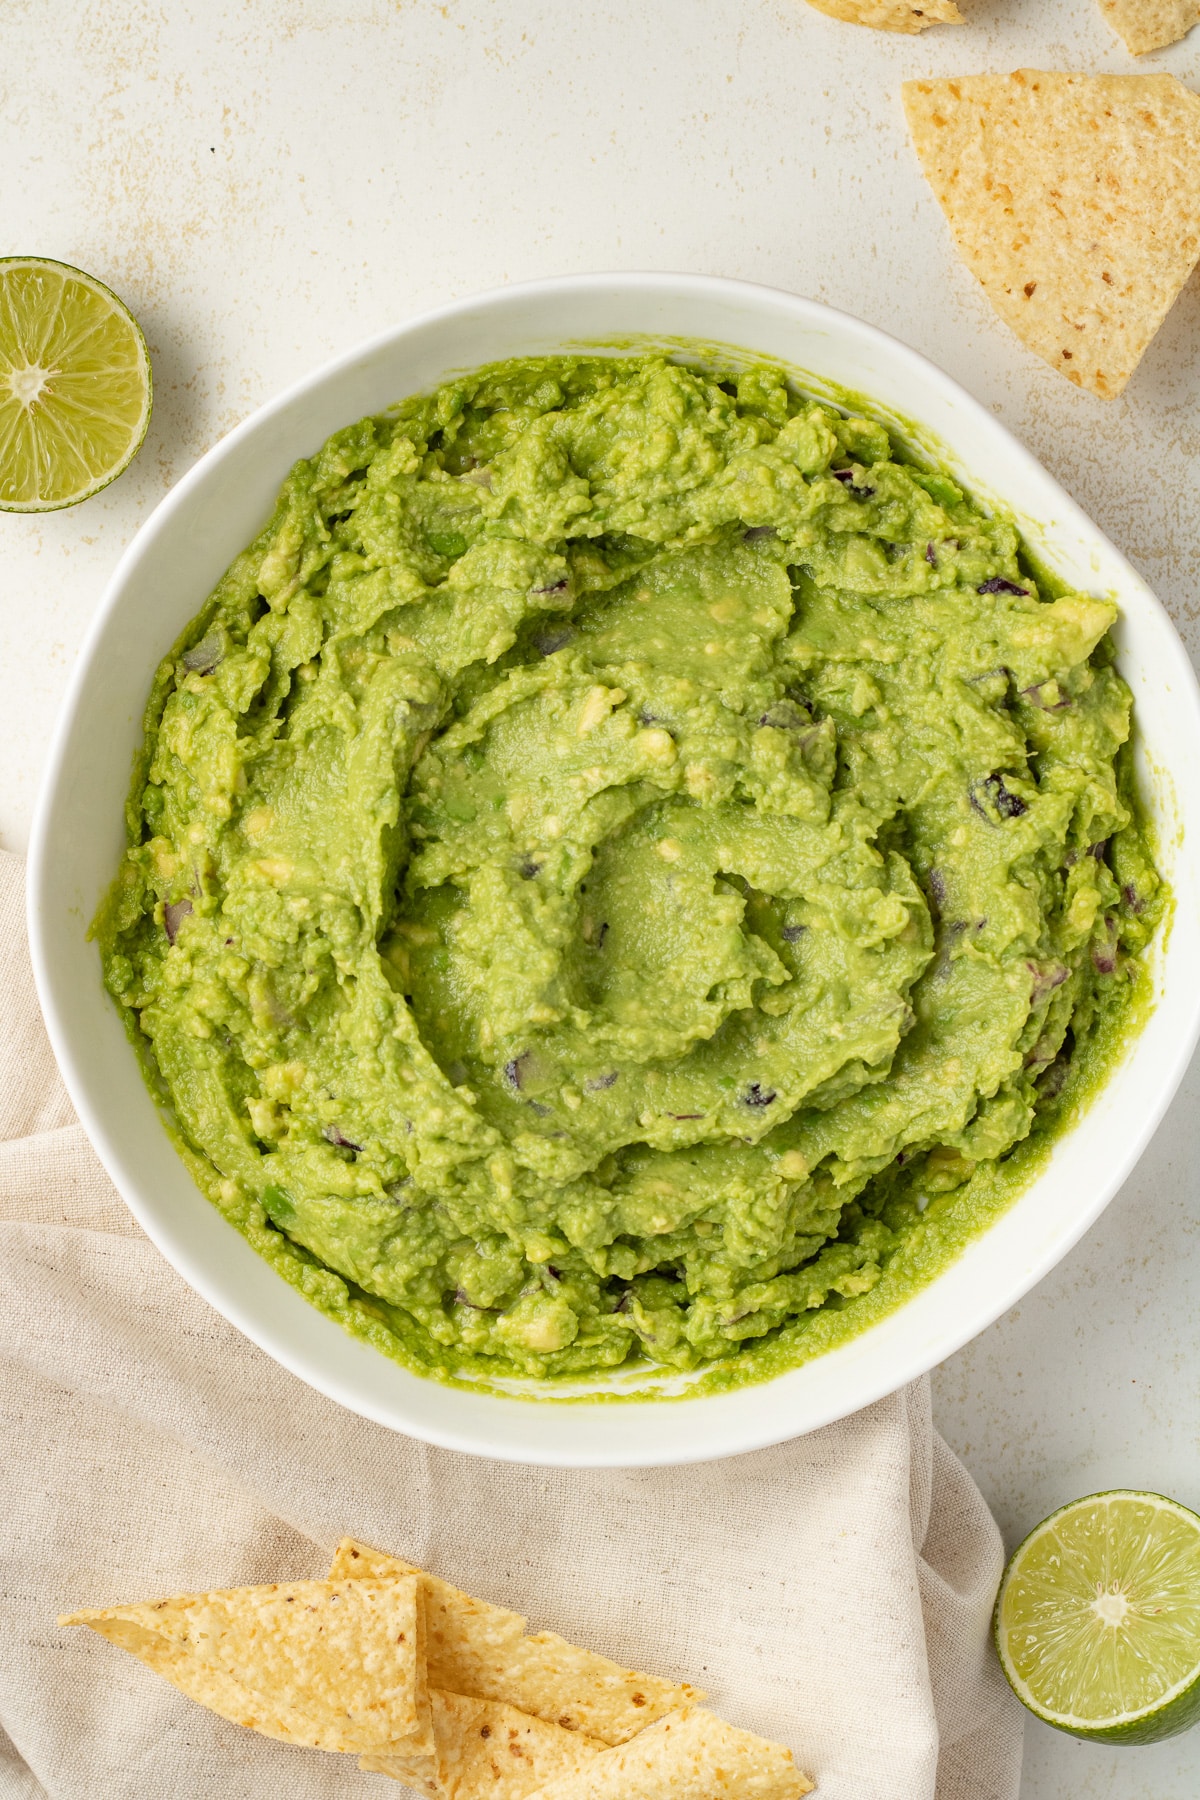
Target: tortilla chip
891,15
1075,199
482,1651
1149,24
211,1688
336,1664
484,1749
689,1755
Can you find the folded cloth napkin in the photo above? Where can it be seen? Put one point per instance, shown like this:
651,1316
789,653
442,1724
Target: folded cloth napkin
833,1593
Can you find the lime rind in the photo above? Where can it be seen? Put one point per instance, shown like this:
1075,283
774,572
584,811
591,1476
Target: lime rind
76,388
1097,1621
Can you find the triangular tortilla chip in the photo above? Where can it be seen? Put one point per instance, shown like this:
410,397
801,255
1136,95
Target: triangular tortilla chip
1149,24
210,1687
481,1651
484,1749
892,15
1075,199
689,1755
339,1665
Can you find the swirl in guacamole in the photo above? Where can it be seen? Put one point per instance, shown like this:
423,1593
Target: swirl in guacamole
620,864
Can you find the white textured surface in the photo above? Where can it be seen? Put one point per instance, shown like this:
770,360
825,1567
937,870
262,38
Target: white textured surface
266,183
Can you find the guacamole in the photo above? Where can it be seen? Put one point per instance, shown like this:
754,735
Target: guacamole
620,849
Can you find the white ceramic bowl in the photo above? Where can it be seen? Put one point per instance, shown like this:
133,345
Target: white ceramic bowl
160,583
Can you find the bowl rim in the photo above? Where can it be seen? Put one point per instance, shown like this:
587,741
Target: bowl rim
738,1434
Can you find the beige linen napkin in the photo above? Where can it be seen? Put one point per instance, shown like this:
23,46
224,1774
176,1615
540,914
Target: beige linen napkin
832,1593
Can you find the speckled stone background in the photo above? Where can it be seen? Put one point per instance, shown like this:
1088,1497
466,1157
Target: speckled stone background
267,181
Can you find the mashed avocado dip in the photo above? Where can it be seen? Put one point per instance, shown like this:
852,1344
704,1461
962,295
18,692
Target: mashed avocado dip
618,865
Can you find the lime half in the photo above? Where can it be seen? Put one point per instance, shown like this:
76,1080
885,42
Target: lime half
1098,1618
75,385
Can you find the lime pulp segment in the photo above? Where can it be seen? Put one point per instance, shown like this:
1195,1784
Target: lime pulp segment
75,385
1098,1618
